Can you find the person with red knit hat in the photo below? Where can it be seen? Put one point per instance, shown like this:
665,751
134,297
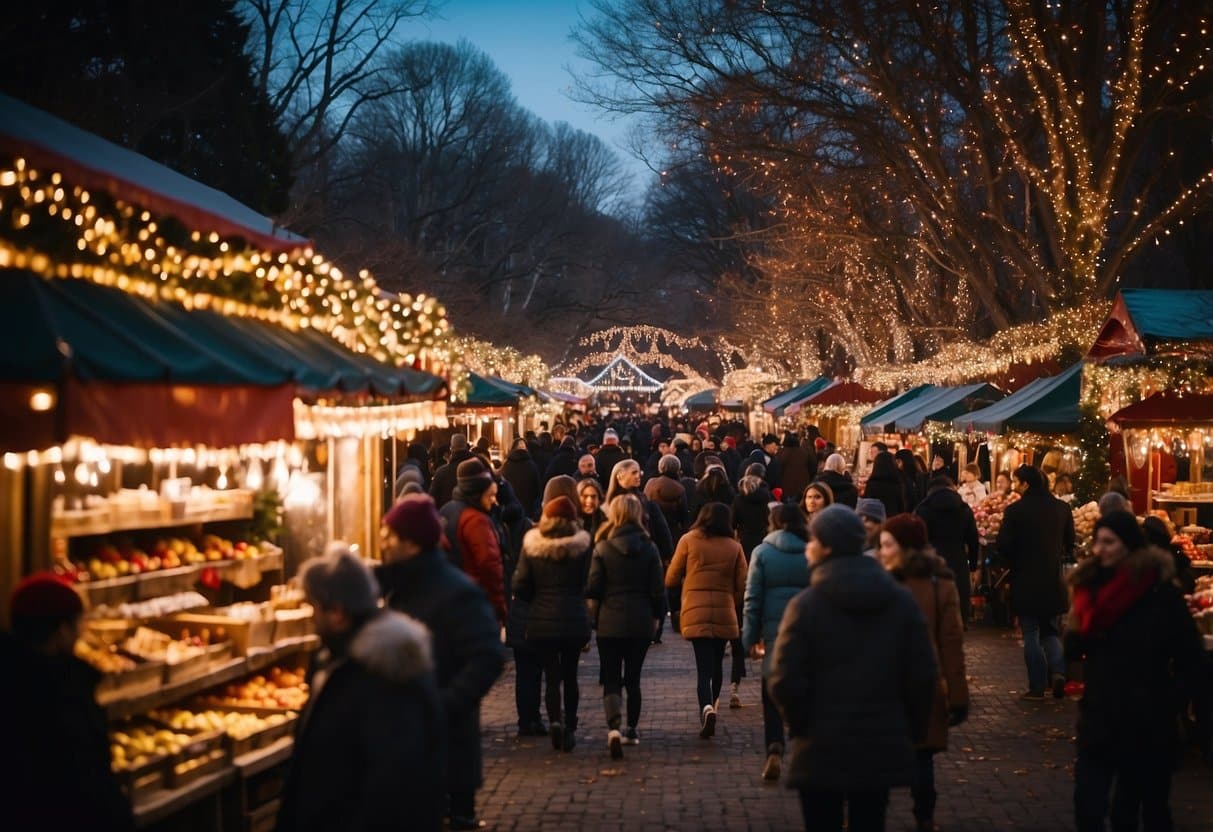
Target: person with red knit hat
550,579
908,557
55,731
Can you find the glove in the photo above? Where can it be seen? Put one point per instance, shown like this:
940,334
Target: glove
957,716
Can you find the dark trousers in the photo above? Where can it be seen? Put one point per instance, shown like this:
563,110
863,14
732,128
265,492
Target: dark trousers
528,677
823,810
923,789
737,654
772,721
560,660
462,804
622,659
709,668
1143,789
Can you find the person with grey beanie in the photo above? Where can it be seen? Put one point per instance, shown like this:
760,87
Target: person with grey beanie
854,642
873,515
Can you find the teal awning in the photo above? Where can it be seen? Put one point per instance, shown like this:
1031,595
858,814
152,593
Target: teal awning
1047,405
777,404
490,391
874,416
703,400
942,404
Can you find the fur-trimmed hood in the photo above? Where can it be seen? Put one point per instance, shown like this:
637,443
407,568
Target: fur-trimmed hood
393,646
536,545
923,563
1139,560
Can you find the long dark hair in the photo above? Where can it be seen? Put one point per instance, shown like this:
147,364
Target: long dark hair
789,518
715,520
884,468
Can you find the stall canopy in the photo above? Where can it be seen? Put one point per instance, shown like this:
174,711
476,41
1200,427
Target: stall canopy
92,162
1047,405
490,391
777,404
84,359
936,404
1152,322
837,393
703,400
1167,408
873,421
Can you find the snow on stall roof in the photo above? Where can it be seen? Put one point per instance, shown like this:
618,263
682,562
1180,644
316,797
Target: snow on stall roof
88,160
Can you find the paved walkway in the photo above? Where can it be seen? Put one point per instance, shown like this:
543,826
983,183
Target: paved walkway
1010,766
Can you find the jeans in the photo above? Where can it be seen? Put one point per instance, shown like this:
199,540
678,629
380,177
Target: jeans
1143,787
823,810
709,667
622,659
528,677
560,660
923,790
772,721
738,658
1041,650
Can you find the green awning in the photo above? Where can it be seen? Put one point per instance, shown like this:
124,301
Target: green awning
873,418
941,405
490,391
703,400
777,404
1047,405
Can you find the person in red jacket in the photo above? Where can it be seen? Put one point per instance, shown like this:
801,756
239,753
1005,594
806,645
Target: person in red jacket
474,544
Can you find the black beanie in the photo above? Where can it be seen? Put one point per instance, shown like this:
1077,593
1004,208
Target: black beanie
1123,525
473,477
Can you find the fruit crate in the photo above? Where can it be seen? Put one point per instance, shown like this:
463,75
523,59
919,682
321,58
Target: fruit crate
263,738
166,581
243,634
186,770
145,778
264,818
145,678
294,623
111,592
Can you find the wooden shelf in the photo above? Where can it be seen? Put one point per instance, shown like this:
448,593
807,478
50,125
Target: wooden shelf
105,524
158,805
1190,499
262,759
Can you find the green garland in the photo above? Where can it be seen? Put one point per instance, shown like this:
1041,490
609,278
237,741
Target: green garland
1091,478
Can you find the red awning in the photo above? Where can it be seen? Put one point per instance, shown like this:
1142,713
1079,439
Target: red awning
1167,408
844,392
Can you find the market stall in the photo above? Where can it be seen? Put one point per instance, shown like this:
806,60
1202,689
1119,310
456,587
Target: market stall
836,410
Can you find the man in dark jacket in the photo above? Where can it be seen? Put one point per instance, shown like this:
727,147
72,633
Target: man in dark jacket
1036,537
373,680
952,530
521,472
445,476
610,454
417,580
564,460
797,467
854,676
841,485
58,775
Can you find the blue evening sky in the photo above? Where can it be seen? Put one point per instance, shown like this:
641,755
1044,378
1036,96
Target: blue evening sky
529,41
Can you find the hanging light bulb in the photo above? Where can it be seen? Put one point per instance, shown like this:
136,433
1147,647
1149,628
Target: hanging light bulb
281,474
221,482
255,478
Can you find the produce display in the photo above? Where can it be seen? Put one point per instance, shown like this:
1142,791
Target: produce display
154,645
988,514
105,659
117,560
1085,518
284,689
1200,604
153,607
236,725
137,746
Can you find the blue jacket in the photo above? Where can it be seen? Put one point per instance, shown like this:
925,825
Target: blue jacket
779,570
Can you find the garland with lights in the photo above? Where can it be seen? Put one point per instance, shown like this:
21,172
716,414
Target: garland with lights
643,346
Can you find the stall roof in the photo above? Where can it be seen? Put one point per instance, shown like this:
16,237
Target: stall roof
702,399
490,391
1148,322
777,404
944,404
873,418
92,162
1167,408
838,392
1047,405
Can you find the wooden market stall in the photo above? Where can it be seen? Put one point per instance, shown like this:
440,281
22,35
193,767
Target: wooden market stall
836,410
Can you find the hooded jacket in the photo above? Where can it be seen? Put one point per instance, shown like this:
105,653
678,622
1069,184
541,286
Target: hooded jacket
711,571
551,580
343,775
564,462
475,547
625,584
751,515
669,495
520,471
1141,655
1036,537
853,676
841,486
952,531
778,572
443,485
934,588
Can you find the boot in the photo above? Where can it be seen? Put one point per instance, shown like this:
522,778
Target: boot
774,765
615,744
735,695
556,732
613,704
707,721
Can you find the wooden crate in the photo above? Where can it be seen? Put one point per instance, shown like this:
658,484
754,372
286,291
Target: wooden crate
242,634
145,678
185,770
143,779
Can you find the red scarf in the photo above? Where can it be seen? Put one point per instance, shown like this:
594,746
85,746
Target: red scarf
1098,608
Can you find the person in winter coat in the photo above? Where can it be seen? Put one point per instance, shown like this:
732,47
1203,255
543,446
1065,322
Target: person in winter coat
952,532
58,776
442,487
473,536
589,504
564,460
666,490
1157,534
626,604
551,579
778,572
711,568
905,553
1036,537
712,488
751,512
884,484
610,456
625,479
836,477
416,578
854,677
373,679
817,496
871,512
520,471
913,481
1141,652
797,466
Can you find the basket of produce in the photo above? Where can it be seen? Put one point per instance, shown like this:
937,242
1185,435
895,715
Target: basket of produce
140,755
186,771
279,690
241,632
183,658
122,675
294,623
242,731
988,514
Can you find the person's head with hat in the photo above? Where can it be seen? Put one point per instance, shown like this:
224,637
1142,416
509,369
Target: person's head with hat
410,528
835,532
560,519
872,512
770,444
900,536
1117,535
610,437
344,593
46,612
475,484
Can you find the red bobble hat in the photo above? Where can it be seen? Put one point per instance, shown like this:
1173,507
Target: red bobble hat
45,595
415,518
819,443
560,507
908,530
